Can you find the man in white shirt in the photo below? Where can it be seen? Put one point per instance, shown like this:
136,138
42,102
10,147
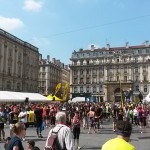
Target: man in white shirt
23,115
65,136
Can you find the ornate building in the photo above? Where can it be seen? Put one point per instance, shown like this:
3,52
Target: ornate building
65,78
108,74
18,64
50,74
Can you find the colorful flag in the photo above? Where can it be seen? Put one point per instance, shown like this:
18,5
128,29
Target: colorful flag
65,91
58,86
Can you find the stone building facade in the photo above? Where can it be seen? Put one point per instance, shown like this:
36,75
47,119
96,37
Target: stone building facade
19,64
66,79
51,73
111,73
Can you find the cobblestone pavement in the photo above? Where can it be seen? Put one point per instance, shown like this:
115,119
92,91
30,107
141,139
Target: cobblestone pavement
91,141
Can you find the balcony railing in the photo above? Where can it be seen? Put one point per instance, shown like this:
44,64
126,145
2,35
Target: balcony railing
113,62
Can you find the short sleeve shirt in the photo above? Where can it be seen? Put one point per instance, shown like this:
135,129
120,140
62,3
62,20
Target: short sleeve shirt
117,144
14,117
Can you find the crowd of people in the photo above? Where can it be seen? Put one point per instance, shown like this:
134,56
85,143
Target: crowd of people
68,118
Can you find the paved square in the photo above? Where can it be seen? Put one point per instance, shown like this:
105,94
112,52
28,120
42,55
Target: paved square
91,141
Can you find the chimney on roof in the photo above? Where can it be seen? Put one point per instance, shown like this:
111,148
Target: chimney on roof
92,47
107,46
48,58
53,60
81,49
146,43
127,45
66,66
40,57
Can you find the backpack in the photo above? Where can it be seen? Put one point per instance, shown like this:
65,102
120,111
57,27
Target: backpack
52,143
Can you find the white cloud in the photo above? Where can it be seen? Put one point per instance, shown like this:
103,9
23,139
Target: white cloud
33,5
40,41
10,24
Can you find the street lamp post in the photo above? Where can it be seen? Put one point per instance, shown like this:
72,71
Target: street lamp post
121,91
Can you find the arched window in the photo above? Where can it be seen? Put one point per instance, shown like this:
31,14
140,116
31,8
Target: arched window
8,85
137,88
88,89
75,89
94,89
100,88
18,86
145,88
81,89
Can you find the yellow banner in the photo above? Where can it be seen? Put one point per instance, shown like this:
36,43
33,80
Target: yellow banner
65,91
58,86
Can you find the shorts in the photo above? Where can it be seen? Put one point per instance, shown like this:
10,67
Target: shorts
76,133
1,126
91,122
26,124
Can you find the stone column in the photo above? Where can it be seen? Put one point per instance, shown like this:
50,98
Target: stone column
71,74
105,73
141,73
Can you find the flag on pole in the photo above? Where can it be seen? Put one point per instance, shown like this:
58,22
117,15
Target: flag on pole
65,91
58,86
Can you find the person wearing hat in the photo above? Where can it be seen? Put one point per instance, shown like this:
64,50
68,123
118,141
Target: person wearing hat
123,131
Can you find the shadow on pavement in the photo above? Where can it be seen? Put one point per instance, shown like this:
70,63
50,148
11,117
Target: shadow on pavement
146,137
134,140
40,139
83,147
30,136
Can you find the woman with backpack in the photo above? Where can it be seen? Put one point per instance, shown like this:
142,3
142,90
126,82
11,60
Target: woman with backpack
76,128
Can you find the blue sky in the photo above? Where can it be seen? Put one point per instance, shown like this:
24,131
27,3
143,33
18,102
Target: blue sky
58,27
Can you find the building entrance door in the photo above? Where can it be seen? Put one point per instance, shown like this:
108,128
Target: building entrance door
117,95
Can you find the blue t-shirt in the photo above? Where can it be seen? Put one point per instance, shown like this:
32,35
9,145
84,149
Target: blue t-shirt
15,141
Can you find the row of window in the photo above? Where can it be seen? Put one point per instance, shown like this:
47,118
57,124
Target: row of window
88,89
93,89
109,60
9,86
110,53
137,88
111,69
110,78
